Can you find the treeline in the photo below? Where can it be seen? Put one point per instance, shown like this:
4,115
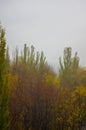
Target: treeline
34,97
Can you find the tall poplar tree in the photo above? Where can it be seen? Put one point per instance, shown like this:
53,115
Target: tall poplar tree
68,68
3,87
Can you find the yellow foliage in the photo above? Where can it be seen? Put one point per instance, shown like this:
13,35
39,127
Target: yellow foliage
49,79
11,80
52,81
79,91
56,82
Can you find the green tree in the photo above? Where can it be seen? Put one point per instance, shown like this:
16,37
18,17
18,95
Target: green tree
7,58
25,53
16,56
68,68
3,87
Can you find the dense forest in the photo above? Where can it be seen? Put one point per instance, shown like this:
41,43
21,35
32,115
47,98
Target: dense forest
34,97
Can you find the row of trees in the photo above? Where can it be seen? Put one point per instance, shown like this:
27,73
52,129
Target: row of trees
34,97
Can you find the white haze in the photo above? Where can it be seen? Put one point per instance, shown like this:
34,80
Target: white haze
50,25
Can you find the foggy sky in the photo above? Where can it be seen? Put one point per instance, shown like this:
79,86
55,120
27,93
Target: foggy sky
49,25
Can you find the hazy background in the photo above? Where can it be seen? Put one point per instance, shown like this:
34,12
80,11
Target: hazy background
50,25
